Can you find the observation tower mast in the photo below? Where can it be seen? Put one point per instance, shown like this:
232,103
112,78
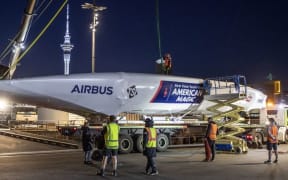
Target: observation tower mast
67,46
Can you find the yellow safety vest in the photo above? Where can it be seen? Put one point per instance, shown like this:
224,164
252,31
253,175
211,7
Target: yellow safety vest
152,135
213,132
112,136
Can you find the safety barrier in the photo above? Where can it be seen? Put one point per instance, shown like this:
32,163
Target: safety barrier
39,139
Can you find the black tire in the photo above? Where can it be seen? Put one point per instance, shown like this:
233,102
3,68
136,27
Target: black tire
97,155
243,114
286,137
238,150
139,143
162,142
125,144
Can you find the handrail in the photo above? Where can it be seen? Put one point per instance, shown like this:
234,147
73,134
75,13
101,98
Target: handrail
225,85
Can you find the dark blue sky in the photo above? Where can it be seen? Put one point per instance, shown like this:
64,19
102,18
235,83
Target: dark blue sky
206,38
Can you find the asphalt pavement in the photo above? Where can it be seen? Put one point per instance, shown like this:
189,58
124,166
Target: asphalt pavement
41,161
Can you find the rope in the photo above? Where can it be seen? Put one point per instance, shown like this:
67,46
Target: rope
37,38
158,28
42,11
7,50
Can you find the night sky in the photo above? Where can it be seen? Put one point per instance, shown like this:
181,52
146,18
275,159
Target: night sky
206,38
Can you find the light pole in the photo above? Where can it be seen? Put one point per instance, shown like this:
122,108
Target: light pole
93,25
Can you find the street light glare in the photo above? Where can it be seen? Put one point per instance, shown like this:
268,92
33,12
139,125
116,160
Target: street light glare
93,25
87,6
3,104
93,7
100,8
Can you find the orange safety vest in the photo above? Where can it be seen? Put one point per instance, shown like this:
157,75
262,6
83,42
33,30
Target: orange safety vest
151,137
213,131
273,132
168,63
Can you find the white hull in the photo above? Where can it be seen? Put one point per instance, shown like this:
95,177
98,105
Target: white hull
110,93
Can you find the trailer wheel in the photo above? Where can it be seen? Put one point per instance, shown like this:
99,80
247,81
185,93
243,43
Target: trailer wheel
286,137
243,114
97,155
139,143
125,144
162,142
238,150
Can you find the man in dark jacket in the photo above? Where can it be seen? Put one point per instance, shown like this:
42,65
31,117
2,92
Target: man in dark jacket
149,147
87,143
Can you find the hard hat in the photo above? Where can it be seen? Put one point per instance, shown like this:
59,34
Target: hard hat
149,122
271,120
112,118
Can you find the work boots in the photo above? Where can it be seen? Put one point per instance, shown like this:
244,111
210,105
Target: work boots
114,173
101,173
154,173
267,162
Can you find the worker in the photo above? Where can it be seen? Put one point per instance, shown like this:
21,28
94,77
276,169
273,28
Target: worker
272,141
111,137
87,143
167,63
210,137
149,147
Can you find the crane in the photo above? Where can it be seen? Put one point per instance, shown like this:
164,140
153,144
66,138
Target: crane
21,37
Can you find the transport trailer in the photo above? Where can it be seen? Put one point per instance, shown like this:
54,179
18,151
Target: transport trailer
169,133
131,135
191,131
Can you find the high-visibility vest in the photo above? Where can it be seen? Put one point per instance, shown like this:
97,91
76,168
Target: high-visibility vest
213,131
112,136
152,135
273,132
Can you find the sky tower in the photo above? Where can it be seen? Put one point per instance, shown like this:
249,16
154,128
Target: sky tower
67,46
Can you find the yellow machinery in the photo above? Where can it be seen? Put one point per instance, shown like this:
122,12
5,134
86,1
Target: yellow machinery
222,93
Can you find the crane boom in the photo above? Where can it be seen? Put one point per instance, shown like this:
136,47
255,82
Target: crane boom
21,37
